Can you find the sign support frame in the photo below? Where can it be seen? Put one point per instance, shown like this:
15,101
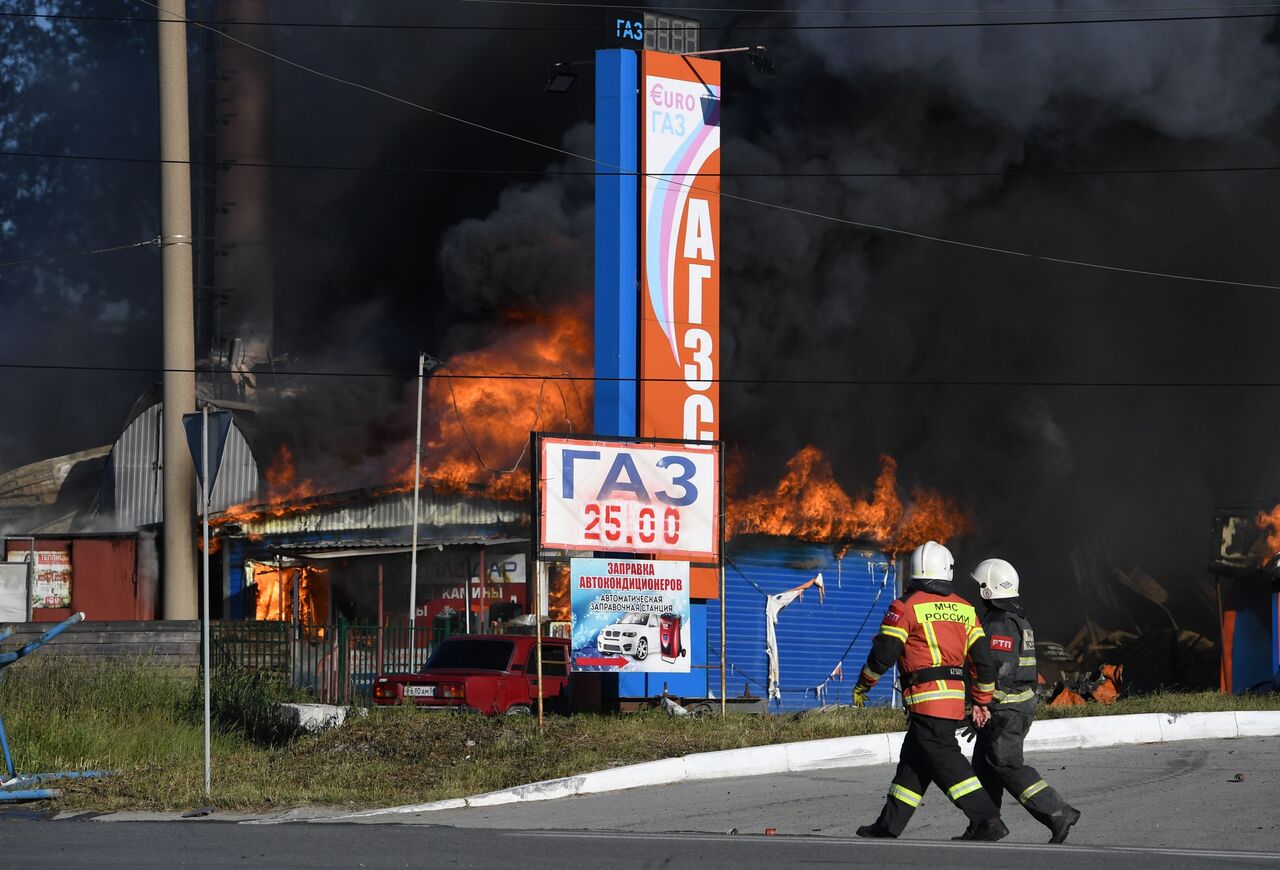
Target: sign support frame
538,558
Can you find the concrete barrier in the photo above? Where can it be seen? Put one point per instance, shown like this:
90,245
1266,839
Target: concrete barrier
1086,732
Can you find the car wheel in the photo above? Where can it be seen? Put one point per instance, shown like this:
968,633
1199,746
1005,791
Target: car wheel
642,649
519,710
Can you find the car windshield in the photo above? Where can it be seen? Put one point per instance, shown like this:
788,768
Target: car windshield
635,619
480,655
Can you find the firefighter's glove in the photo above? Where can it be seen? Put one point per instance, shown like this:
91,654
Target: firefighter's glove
860,695
969,731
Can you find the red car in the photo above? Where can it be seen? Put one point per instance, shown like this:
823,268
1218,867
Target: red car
485,673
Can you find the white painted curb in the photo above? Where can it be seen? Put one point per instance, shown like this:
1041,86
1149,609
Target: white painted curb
838,752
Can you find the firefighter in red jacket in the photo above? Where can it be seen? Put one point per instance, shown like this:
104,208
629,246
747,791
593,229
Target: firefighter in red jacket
932,634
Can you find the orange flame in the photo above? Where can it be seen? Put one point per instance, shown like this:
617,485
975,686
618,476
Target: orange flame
477,430
282,482
808,503
282,487
558,592
275,588
1271,520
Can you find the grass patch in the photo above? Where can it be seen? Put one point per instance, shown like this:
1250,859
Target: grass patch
1166,702
245,702
144,721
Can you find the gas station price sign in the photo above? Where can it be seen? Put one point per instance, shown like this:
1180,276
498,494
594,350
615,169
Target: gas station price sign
659,498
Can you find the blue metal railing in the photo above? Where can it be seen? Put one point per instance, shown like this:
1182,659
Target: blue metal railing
16,787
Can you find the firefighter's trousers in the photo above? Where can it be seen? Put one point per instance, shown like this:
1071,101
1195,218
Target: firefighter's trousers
997,759
930,753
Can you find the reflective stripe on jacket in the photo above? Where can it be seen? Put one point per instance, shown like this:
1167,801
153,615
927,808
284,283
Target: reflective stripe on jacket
1013,649
923,630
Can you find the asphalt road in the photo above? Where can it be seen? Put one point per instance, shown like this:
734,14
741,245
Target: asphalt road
215,844
1174,795
1169,806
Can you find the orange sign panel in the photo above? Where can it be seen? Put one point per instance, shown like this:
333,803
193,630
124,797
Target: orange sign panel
680,248
680,256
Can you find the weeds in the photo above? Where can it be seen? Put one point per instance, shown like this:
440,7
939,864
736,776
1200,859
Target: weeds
245,703
145,721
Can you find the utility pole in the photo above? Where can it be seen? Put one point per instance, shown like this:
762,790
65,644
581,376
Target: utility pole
179,312
413,548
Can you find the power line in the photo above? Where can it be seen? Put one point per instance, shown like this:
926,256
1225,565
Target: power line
430,170
762,381
735,197
567,28
558,4
68,254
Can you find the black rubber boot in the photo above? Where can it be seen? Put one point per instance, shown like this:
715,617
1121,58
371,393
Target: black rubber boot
968,832
990,831
1060,823
875,830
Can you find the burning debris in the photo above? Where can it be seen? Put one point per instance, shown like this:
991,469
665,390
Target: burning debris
810,505
1130,641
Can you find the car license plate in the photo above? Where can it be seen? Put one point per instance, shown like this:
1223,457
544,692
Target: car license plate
419,691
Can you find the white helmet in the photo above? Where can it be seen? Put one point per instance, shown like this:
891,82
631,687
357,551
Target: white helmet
996,578
931,561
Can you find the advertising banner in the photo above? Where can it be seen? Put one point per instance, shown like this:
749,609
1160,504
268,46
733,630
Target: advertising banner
14,603
622,497
52,584
629,615
680,248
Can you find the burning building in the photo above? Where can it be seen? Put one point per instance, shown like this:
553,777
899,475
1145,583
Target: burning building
319,558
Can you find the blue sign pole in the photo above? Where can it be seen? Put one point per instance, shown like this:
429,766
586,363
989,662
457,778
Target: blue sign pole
617,241
617,294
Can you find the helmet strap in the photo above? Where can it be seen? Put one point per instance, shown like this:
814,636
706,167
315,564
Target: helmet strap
1008,605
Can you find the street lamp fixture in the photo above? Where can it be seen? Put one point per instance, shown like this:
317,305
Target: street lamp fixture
758,55
561,78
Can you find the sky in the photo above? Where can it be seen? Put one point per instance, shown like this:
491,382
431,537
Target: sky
1061,404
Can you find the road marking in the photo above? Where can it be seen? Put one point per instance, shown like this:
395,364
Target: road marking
927,844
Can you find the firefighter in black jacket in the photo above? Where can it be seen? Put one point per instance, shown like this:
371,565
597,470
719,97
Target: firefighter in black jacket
997,756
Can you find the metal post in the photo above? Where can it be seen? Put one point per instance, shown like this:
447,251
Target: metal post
178,310
280,594
537,621
1224,686
380,619
466,594
484,601
204,511
417,483
724,643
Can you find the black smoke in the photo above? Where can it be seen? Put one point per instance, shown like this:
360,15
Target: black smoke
1059,403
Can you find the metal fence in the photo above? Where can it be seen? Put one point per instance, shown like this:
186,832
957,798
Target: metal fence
336,663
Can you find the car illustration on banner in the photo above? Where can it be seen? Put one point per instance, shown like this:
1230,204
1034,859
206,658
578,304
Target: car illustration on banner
633,635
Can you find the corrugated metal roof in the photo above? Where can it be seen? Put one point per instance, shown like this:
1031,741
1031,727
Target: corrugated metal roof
343,512
354,549
136,469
